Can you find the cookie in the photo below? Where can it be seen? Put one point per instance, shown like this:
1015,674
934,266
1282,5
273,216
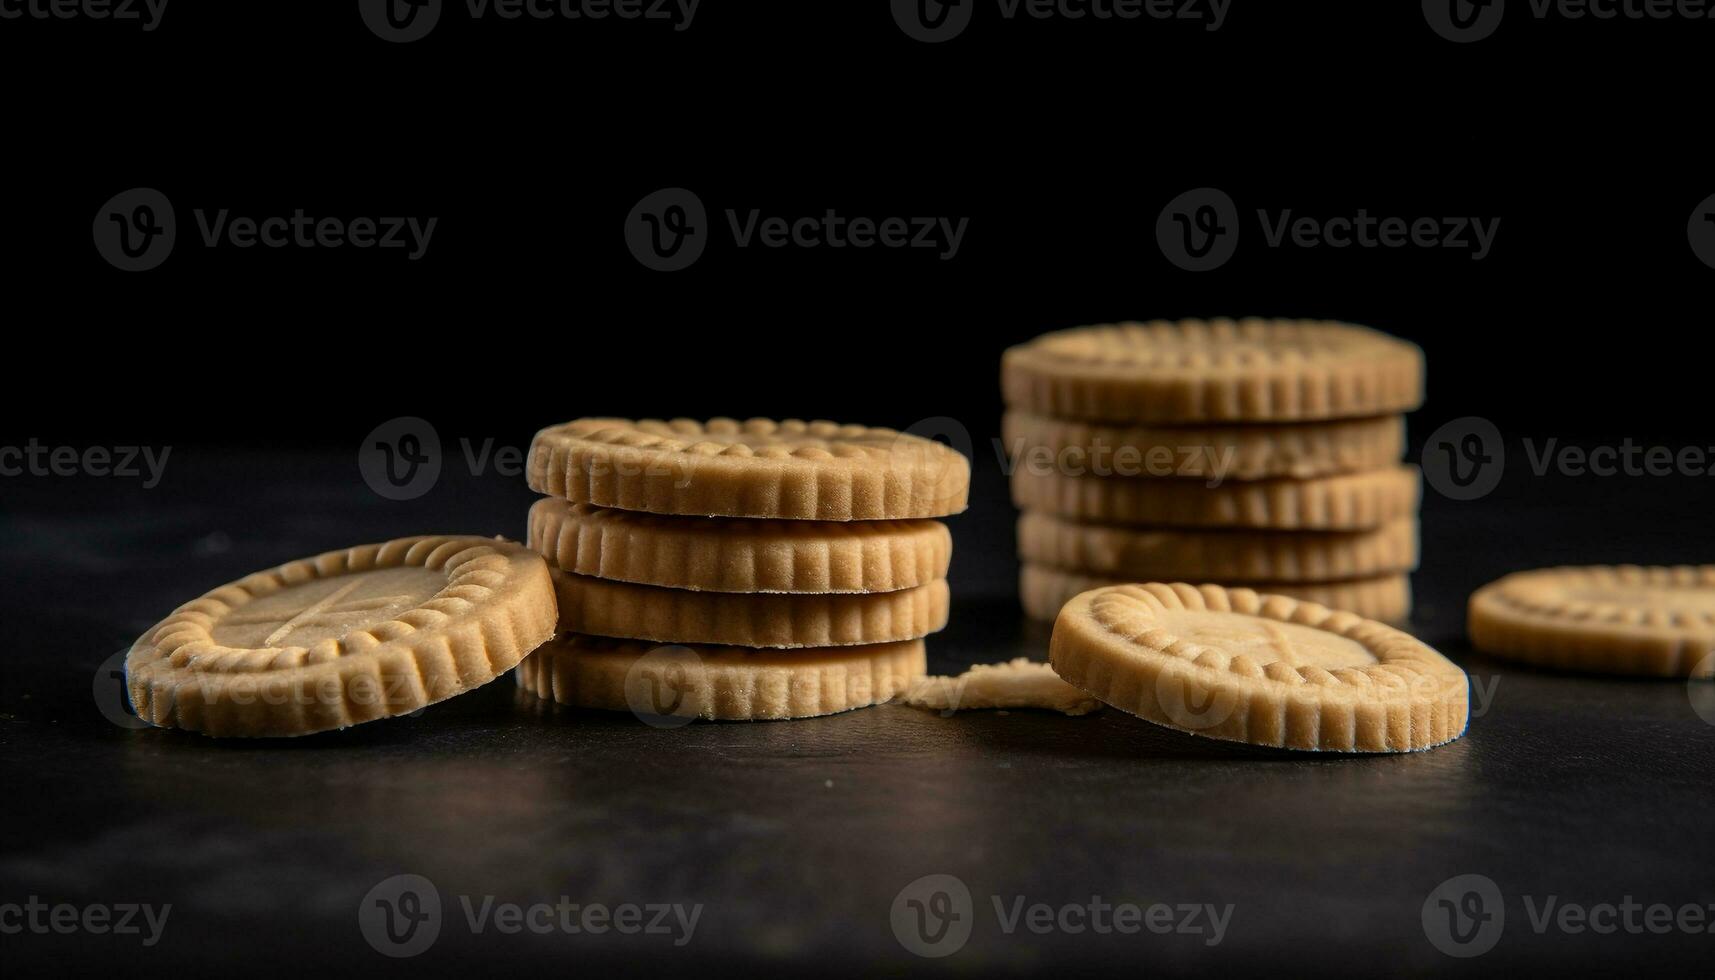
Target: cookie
343,638
1627,619
1354,501
1387,598
1217,555
718,683
736,555
1266,670
1249,370
724,468
647,612
1019,683
1232,452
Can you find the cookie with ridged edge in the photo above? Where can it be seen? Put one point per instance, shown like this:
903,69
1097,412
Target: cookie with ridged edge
343,638
792,470
1043,590
1252,451
1266,670
1627,619
718,683
737,554
1352,501
1251,370
1217,554
756,619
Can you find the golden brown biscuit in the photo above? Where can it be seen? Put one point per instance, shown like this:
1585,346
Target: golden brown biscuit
1354,501
718,683
1386,598
646,612
1251,370
1217,555
343,638
1267,670
739,555
1627,619
759,468
1229,452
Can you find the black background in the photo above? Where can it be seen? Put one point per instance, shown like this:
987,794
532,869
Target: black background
1061,142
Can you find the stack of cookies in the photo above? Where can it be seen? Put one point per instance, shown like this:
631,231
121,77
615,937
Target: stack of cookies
739,570
1258,453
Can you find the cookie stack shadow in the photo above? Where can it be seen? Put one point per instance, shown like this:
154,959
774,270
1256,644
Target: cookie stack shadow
1257,453
739,570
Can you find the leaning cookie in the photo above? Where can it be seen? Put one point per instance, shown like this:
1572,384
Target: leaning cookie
1267,670
343,638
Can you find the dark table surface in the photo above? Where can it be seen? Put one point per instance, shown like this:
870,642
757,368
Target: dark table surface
800,841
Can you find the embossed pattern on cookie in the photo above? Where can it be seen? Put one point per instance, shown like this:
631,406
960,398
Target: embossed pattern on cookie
757,468
1627,619
1267,670
343,638
1251,370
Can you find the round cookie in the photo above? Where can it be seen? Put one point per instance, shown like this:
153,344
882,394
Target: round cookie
681,682
1627,619
1043,590
1266,670
342,638
759,468
1251,370
1218,555
739,555
1236,452
646,612
1353,501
